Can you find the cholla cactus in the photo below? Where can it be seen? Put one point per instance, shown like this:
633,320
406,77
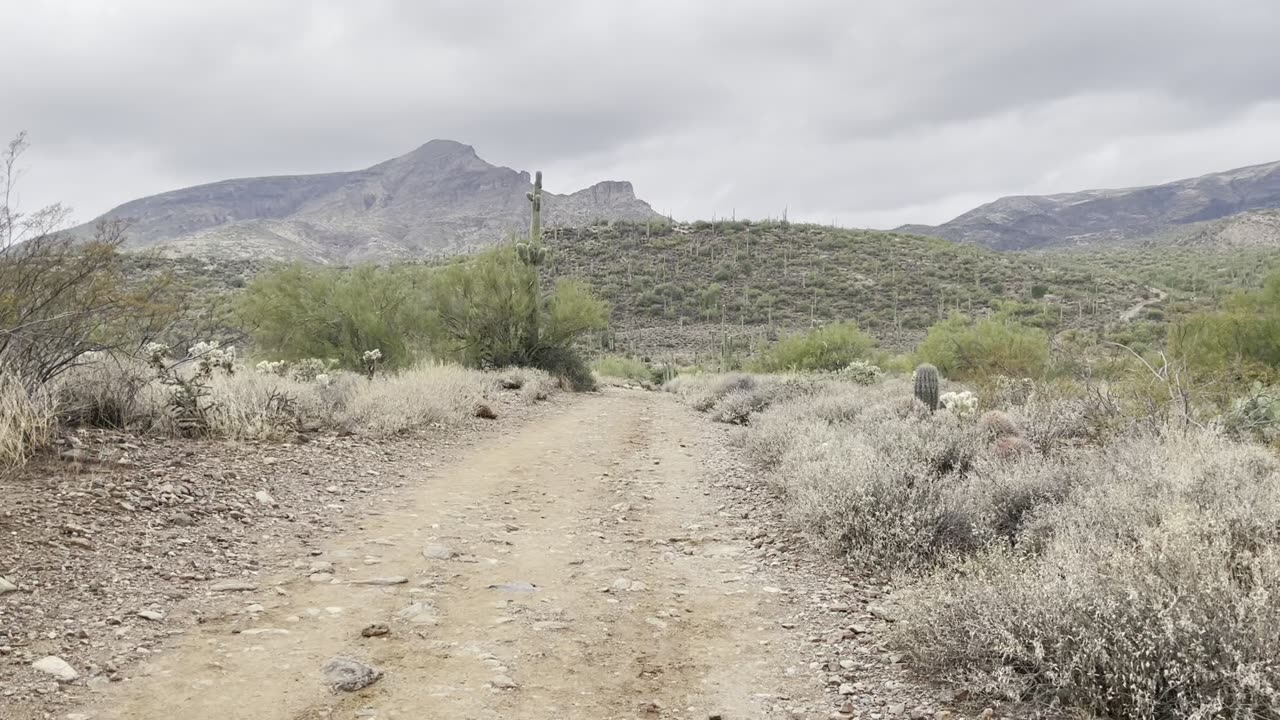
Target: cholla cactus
860,372
371,359
963,404
210,358
278,367
323,380
154,354
309,369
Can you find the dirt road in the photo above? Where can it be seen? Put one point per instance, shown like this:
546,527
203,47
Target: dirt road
576,569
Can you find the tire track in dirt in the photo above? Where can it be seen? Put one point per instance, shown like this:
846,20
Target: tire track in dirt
638,608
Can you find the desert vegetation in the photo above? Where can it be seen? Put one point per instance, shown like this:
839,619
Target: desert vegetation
1057,538
92,337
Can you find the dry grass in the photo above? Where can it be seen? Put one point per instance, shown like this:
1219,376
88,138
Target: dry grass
1054,550
28,421
252,405
444,394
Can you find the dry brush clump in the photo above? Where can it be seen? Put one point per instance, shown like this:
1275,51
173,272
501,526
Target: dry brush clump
275,402
1151,590
1054,551
28,421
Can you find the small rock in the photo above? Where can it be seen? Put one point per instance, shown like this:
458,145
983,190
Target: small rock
518,586
419,614
846,689
347,675
898,709
151,615
320,577
7,587
882,612
436,552
57,667
265,631
182,520
98,683
234,586
504,682
264,498
320,566
485,412
375,630
78,716
383,581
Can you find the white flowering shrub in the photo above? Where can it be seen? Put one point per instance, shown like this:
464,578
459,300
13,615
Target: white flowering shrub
961,404
860,372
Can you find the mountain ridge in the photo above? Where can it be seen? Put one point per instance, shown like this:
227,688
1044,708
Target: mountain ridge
438,199
1100,216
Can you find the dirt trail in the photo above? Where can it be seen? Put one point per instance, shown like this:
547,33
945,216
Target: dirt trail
640,606
1132,313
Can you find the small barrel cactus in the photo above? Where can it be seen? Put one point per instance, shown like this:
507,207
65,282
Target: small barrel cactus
926,386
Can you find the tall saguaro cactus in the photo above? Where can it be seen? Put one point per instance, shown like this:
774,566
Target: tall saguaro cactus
535,199
531,251
532,254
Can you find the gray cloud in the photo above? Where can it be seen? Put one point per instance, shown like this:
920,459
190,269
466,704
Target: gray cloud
866,113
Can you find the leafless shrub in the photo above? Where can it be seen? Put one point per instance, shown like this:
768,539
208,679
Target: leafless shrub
1151,591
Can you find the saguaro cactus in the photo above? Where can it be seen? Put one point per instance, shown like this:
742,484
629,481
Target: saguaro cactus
531,252
927,386
535,199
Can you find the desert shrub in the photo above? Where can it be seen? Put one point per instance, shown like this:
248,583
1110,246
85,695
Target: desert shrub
1242,338
493,312
28,420
620,366
860,372
106,392
965,349
534,385
999,423
300,312
1151,591
705,392
392,404
828,348
1256,415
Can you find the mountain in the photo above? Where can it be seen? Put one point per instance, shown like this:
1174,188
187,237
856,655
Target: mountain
437,200
1256,229
1106,216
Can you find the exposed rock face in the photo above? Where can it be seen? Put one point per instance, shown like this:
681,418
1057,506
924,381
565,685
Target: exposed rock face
439,199
1107,216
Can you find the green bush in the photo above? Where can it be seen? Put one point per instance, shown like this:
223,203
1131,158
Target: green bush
964,349
1243,338
302,312
620,366
493,312
825,349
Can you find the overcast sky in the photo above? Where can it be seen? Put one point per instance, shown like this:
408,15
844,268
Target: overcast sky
865,113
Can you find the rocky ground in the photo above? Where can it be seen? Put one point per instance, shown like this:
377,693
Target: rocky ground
613,559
